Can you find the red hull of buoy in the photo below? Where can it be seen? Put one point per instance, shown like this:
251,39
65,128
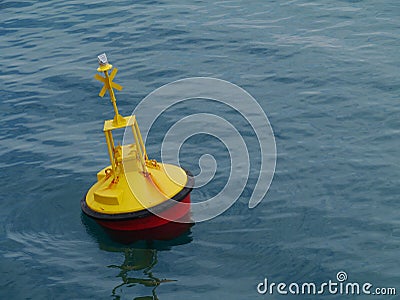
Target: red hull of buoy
168,231
174,213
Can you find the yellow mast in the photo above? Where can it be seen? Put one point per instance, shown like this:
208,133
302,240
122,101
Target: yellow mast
104,67
115,152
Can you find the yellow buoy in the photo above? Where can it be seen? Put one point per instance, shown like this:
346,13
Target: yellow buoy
134,192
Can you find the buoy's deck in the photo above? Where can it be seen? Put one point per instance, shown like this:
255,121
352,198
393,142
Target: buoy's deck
134,191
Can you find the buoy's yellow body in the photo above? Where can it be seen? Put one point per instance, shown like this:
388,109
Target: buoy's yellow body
134,192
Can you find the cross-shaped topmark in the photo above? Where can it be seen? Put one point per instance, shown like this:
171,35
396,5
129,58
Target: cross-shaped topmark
108,82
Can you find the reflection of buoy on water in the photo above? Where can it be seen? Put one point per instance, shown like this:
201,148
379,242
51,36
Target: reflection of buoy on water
135,194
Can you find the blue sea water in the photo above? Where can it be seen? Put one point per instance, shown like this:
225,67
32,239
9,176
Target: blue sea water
325,72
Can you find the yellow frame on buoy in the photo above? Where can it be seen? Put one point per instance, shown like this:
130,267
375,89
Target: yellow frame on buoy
115,152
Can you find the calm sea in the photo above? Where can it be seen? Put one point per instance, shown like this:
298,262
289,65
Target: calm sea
325,72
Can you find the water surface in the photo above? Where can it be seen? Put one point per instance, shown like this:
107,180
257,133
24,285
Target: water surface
326,74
